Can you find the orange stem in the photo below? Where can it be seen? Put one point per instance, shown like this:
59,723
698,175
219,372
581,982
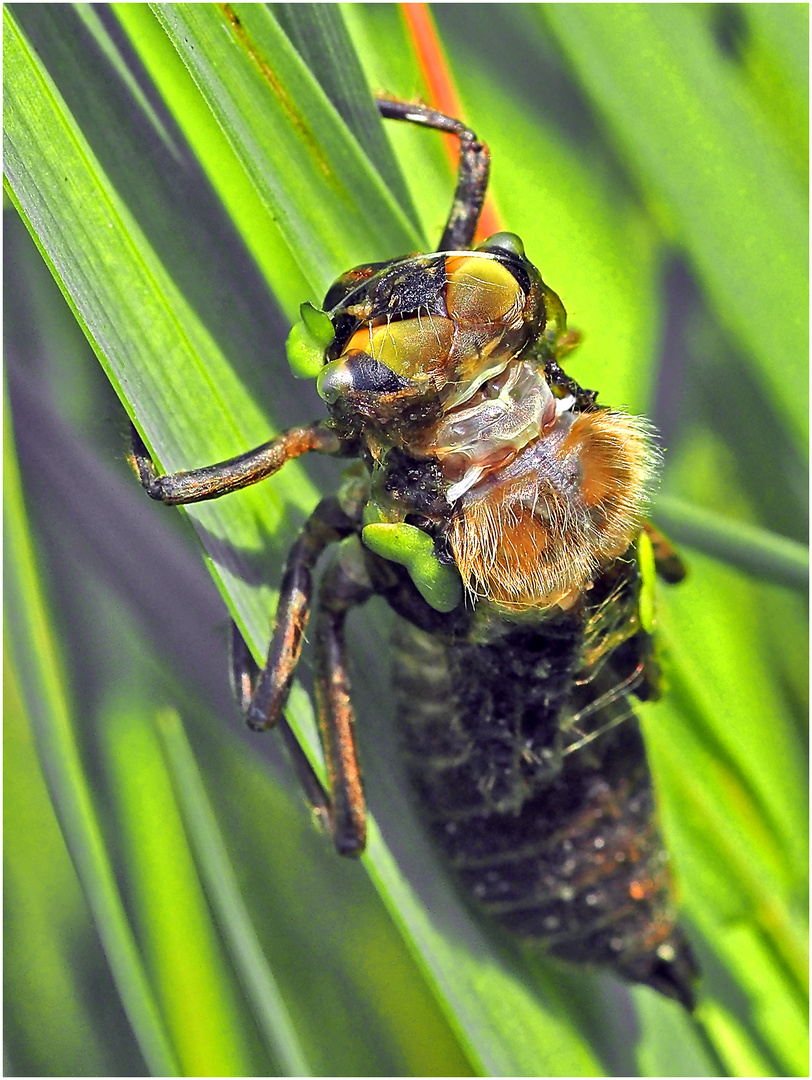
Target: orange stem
442,92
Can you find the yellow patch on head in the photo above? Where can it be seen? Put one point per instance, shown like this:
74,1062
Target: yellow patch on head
481,290
412,348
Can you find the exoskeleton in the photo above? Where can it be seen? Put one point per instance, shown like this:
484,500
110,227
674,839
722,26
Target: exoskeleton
499,510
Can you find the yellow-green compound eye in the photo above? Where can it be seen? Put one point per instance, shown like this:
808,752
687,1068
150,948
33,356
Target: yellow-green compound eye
308,341
412,348
438,584
481,290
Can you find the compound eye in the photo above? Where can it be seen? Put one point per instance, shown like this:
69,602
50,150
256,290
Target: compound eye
508,242
415,349
481,290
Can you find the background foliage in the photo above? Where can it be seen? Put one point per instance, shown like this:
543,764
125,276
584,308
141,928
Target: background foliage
189,175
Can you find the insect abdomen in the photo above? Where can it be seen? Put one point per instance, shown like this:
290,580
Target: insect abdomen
559,848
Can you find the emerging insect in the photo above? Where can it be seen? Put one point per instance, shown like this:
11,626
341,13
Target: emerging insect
498,508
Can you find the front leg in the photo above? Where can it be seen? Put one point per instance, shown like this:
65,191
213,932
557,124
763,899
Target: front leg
472,172
263,705
244,673
212,481
346,585
262,695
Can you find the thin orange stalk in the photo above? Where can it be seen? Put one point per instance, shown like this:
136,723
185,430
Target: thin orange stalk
442,92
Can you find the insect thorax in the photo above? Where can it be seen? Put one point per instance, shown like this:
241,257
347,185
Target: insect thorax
443,369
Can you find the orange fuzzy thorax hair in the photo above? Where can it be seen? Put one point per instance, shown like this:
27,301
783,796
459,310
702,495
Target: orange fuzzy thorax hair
537,531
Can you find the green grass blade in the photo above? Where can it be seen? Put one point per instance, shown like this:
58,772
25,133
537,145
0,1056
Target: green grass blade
47,1017
506,1021
689,126
211,149
738,836
162,245
212,857
776,60
764,554
319,35
198,996
327,197
155,344
34,655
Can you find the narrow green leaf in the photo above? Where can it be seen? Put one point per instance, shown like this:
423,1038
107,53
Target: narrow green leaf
319,35
735,818
258,230
194,985
767,555
323,193
152,340
47,1018
776,61
34,655
507,1023
212,858
689,128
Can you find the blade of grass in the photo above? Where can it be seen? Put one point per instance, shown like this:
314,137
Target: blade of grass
738,543
735,819
210,147
212,858
48,1020
776,62
688,126
328,201
320,37
155,347
740,1053
34,655
507,1022
199,998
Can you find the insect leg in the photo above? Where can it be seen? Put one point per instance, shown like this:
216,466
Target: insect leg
345,586
262,694
212,481
472,173
667,561
264,700
262,697
244,672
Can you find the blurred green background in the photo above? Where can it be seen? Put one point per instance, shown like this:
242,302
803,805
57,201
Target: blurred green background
169,907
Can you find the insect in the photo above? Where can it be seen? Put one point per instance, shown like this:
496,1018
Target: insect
498,509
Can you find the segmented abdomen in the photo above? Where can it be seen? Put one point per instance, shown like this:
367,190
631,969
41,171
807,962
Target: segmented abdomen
558,847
